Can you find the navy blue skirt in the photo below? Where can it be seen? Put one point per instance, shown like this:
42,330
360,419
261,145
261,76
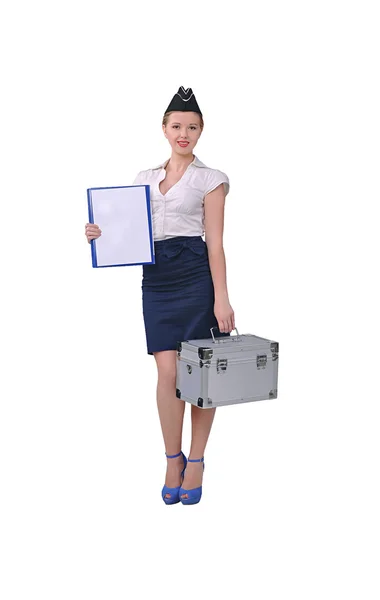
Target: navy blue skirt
178,294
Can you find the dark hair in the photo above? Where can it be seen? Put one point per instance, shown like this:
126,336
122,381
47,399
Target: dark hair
167,115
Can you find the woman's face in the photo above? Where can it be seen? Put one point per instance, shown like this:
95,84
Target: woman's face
183,127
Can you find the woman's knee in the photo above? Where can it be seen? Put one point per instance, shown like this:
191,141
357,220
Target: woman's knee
166,366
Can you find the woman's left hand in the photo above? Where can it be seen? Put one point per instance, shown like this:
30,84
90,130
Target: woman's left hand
224,315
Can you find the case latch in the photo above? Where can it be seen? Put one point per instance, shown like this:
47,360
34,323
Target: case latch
261,361
221,365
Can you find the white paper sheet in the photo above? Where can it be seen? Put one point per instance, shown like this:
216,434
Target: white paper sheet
124,216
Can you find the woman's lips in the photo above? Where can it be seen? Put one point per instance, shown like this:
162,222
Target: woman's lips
183,144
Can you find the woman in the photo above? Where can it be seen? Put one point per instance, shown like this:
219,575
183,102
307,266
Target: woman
185,292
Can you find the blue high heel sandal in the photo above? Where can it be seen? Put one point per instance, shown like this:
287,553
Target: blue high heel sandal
174,492
193,496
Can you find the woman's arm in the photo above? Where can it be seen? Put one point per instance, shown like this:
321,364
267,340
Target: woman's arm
214,225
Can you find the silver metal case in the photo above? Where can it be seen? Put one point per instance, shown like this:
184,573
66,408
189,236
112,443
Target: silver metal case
227,370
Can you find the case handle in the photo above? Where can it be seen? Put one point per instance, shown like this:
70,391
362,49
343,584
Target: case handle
233,338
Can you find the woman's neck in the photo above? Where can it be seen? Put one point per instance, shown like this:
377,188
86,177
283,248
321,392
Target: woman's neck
177,163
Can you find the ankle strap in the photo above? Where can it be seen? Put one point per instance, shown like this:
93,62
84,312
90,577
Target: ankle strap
173,455
196,459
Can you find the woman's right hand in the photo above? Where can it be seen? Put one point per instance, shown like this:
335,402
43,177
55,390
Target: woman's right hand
92,231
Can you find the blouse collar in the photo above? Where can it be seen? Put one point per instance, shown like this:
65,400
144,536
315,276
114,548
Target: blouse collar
196,162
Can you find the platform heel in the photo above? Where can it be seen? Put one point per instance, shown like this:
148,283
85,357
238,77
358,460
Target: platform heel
194,495
174,492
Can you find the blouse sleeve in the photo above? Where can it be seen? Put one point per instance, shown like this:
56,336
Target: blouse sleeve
215,178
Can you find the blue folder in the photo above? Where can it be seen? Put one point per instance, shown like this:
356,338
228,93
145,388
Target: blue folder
116,210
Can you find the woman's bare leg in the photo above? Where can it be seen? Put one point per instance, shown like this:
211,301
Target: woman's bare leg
201,423
171,412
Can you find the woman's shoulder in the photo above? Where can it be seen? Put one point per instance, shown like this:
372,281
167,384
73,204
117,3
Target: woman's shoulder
217,172
210,174
213,178
210,171
144,175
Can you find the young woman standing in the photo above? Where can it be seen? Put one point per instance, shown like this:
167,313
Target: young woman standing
184,294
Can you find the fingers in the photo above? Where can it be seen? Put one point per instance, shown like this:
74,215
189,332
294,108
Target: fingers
92,231
92,227
227,325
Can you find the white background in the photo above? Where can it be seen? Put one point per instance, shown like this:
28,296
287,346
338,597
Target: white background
290,506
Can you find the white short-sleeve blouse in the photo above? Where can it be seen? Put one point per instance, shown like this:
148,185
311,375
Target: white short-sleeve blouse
181,210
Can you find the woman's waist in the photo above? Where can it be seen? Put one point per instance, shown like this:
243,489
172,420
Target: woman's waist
174,245
178,238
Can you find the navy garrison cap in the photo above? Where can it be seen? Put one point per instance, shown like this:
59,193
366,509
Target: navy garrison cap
184,100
